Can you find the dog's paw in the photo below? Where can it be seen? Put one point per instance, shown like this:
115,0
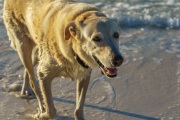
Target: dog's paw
27,91
29,97
26,94
37,116
42,115
78,115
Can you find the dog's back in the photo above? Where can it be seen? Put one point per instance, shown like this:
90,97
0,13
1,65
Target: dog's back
32,16
20,15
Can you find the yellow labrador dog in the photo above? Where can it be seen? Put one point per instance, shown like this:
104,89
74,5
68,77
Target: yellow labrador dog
66,39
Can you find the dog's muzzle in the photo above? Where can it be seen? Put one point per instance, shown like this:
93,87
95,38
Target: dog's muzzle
110,72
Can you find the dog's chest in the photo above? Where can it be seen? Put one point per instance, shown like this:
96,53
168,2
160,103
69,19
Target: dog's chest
74,72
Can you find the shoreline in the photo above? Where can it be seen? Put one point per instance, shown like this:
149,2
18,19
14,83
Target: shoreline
147,85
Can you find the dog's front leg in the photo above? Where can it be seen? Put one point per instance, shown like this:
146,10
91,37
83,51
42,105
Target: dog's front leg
26,89
46,76
50,110
81,89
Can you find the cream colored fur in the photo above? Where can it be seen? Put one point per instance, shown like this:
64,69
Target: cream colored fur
53,33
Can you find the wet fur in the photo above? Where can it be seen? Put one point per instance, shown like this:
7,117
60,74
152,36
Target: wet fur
51,33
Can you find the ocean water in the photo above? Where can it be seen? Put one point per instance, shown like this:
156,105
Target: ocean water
134,13
137,13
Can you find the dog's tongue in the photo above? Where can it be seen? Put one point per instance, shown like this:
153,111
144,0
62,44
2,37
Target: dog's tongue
110,71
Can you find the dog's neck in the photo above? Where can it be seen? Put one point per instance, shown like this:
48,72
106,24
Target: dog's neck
84,65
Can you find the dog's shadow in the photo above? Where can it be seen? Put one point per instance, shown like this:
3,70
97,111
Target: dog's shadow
110,110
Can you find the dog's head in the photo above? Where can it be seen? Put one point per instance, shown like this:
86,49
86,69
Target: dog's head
96,42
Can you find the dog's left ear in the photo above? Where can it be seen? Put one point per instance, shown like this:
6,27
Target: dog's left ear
70,30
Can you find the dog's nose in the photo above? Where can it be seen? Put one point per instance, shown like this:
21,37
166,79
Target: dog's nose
118,60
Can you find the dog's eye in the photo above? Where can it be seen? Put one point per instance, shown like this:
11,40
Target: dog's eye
116,35
97,39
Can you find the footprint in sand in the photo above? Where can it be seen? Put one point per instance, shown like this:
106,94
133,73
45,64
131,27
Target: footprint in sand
107,87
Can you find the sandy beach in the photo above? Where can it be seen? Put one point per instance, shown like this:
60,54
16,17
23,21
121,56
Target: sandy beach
147,86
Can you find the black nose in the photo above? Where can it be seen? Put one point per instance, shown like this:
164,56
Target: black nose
118,60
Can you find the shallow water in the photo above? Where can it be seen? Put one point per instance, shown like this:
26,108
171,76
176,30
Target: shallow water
156,13
148,83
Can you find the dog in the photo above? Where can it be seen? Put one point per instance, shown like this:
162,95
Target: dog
63,38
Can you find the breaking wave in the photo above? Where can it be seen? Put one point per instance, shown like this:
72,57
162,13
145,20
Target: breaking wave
164,14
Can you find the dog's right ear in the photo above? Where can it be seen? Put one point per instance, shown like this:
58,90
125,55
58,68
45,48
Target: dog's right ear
70,30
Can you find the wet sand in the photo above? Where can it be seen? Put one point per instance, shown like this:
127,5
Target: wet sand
147,86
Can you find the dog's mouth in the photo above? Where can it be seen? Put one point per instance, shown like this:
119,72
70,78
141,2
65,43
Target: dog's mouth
109,72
